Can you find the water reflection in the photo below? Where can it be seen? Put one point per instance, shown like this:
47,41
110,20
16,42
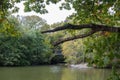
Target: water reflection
52,73
55,69
85,74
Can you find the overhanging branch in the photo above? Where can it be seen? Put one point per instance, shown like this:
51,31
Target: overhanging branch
78,27
73,38
94,28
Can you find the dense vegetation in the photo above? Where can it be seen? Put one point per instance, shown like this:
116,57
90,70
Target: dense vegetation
29,47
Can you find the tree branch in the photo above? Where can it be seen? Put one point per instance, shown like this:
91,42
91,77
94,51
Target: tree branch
94,28
78,27
74,37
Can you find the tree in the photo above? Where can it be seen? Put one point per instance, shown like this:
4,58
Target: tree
98,15
32,22
73,51
29,47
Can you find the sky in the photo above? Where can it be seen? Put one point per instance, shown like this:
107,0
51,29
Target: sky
54,14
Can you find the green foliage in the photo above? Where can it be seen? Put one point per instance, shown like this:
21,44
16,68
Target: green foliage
8,29
115,75
33,21
102,50
73,51
24,50
97,11
87,11
53,36
30,47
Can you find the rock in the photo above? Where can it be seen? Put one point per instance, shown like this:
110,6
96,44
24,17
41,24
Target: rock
83,65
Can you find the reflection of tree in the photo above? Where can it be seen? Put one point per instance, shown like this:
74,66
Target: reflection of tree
55,73
84,74
67,74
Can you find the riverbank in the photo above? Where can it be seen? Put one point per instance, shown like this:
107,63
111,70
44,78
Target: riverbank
85,65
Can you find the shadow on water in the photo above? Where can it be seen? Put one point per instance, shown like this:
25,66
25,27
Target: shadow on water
52,73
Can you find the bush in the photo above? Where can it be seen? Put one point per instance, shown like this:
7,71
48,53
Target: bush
24,50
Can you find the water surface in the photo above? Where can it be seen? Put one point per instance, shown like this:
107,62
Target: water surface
52,73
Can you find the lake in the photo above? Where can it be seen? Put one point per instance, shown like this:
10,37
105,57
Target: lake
52,73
